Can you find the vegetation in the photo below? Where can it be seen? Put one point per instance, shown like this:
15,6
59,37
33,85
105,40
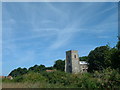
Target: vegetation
97,58
18,72
108,78
103,57
104,72
37,68
84,58
59,65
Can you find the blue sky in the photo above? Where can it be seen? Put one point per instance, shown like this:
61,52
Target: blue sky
40,33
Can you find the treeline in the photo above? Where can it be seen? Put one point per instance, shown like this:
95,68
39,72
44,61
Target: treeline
100,58
59,65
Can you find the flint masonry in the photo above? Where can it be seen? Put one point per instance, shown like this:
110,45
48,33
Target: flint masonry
72,63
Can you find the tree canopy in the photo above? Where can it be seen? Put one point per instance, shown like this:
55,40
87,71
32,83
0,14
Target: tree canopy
84,58
17,72
59,65
118,45
96,58
37,68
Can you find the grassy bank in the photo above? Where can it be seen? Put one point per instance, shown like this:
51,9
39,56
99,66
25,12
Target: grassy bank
107,78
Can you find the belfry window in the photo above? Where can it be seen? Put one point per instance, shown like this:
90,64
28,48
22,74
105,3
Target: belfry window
74,56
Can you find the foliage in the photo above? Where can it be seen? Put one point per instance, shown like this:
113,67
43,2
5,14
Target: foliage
87,81
108,59
112,58
115,59
34,77
37,68
84,58
97,58
50,68
118,45
21,71
18,72
57,77
30,77
107,78
59,65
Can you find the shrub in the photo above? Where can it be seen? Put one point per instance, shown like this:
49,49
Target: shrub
30,77
108,78
58,77
85,80
18,79
33,77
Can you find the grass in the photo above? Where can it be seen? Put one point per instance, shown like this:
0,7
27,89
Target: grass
17,85
30,85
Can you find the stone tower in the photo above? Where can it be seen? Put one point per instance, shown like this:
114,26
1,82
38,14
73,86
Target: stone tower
72,62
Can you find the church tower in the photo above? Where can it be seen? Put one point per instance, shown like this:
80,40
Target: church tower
72,62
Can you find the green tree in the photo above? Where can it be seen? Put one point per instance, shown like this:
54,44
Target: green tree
96,58
108,57
34,68
37,68
18,72
59,65
118,45
84,58
50,68
112,57
42,67
115,57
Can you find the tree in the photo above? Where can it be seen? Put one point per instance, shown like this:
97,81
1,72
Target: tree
118,45
18,72
115,57
59,65
108,59
96,58
37,68
50,68
41,67
34,68
84,58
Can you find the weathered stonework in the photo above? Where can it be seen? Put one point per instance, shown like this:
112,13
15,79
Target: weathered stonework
72,63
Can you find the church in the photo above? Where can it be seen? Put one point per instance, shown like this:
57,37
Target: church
73,64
